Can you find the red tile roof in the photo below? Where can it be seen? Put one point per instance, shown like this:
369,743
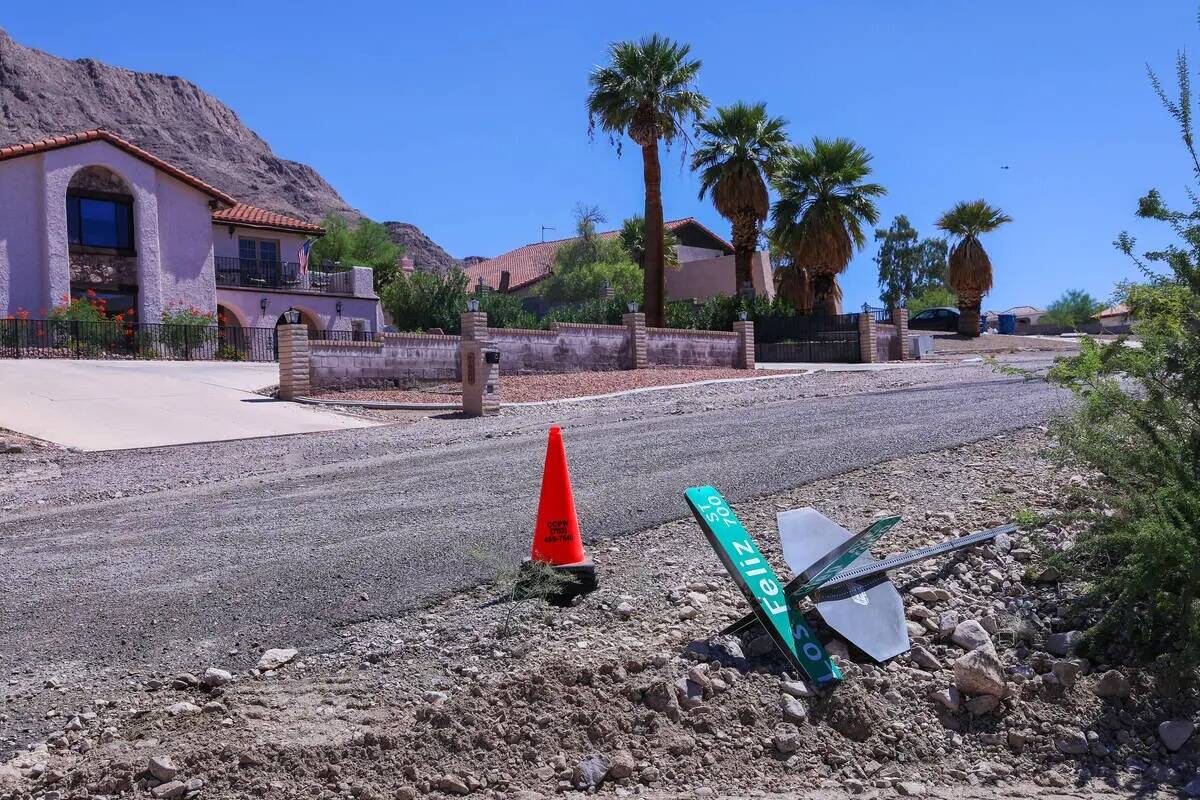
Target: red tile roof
55,142
242,214
237,213
533,262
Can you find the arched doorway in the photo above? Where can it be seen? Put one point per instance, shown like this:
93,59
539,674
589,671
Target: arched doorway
101,239
307,318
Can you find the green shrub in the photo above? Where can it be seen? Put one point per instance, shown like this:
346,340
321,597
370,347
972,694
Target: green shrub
681,314
720,312
426,300
1137,427
186,328
931,297
587,281
591,312
505,311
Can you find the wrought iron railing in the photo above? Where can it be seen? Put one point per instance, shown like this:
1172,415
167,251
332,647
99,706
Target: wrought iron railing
807,338
250,273
880,314
51,338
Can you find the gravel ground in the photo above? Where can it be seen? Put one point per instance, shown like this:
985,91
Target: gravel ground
532,388
952,343
475,696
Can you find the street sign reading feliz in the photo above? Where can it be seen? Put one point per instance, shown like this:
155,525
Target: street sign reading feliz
778,611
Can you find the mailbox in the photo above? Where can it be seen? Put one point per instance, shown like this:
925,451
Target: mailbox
491,356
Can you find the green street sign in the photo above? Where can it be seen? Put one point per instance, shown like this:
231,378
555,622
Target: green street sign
749,569
837,559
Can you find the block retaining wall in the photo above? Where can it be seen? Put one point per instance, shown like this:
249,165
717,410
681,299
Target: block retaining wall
405,358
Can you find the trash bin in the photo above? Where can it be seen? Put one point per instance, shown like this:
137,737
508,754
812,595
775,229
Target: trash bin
983,323
1008,323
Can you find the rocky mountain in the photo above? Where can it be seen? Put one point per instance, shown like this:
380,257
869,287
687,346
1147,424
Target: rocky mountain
427,255
42,95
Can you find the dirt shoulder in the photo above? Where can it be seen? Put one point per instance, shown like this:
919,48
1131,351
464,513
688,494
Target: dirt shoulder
629,688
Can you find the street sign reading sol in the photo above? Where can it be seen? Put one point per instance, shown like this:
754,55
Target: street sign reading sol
780,617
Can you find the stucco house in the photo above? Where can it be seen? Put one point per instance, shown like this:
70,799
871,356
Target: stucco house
1114,316
705,265
91,211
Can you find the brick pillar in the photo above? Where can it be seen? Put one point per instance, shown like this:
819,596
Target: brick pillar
480,378
900,320
473,325
744,328
635,323
293,362
866,336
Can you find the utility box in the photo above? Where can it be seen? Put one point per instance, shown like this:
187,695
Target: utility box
480,378
921,346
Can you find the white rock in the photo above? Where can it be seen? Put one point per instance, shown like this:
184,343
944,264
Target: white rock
796,689
793,710
183,708
950,697
1060,644
969,635
162,767
216,677
276,658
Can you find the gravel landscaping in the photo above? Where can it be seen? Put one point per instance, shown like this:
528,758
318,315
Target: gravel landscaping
559,386
628,691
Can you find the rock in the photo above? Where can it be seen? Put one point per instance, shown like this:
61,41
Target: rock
591,772
162,767
625,609
910,789
950,697
1067,672
214,707
924,659
1192,789
787,738
214,677
926,594
169,790
1175,733
796,689
983,704
793,710
689,693
185,681
622,765
661,697
276,658
434,698
1073,744
1060,644
980,672
969,635
452,784
1112,684
760,646
183,708
947,622
1003,542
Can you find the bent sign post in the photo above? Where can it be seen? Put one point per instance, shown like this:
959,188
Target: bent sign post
780,616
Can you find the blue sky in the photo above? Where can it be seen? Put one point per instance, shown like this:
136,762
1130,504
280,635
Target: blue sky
467,118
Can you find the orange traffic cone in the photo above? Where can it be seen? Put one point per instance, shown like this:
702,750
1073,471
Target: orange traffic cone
556,537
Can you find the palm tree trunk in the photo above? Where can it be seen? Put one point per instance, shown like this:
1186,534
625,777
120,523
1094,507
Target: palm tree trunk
968,313
655,276
745,237
825,296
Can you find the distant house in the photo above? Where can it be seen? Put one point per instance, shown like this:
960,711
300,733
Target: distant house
1026,315
705,265
91,212
1113,316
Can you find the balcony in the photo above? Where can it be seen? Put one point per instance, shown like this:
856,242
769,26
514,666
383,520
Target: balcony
283,276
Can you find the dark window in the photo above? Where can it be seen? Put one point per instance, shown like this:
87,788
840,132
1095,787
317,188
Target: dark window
96,222
924,315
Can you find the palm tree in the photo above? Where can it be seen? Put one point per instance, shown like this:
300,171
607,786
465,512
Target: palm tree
633,239
647,91
970,273
820,216
738,149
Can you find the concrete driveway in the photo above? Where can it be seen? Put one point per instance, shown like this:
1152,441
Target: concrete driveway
118,405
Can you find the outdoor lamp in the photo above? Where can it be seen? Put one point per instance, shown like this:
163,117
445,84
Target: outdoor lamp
633,306
264,303
742,316
338,307
473,304
291,316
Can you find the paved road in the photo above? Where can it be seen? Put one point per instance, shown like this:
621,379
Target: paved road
116,405
179,577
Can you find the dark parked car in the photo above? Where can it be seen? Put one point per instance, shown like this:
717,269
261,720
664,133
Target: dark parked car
934,319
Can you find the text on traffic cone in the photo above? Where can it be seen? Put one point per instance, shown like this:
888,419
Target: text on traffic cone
556,538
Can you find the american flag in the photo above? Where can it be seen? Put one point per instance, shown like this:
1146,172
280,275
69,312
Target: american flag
304,248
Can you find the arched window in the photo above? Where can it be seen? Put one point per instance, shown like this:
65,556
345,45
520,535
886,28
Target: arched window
100,211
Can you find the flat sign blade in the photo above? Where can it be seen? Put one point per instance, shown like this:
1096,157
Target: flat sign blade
749,569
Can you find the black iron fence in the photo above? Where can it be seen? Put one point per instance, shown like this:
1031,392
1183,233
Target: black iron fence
253,273
815,338
49,338
880,314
